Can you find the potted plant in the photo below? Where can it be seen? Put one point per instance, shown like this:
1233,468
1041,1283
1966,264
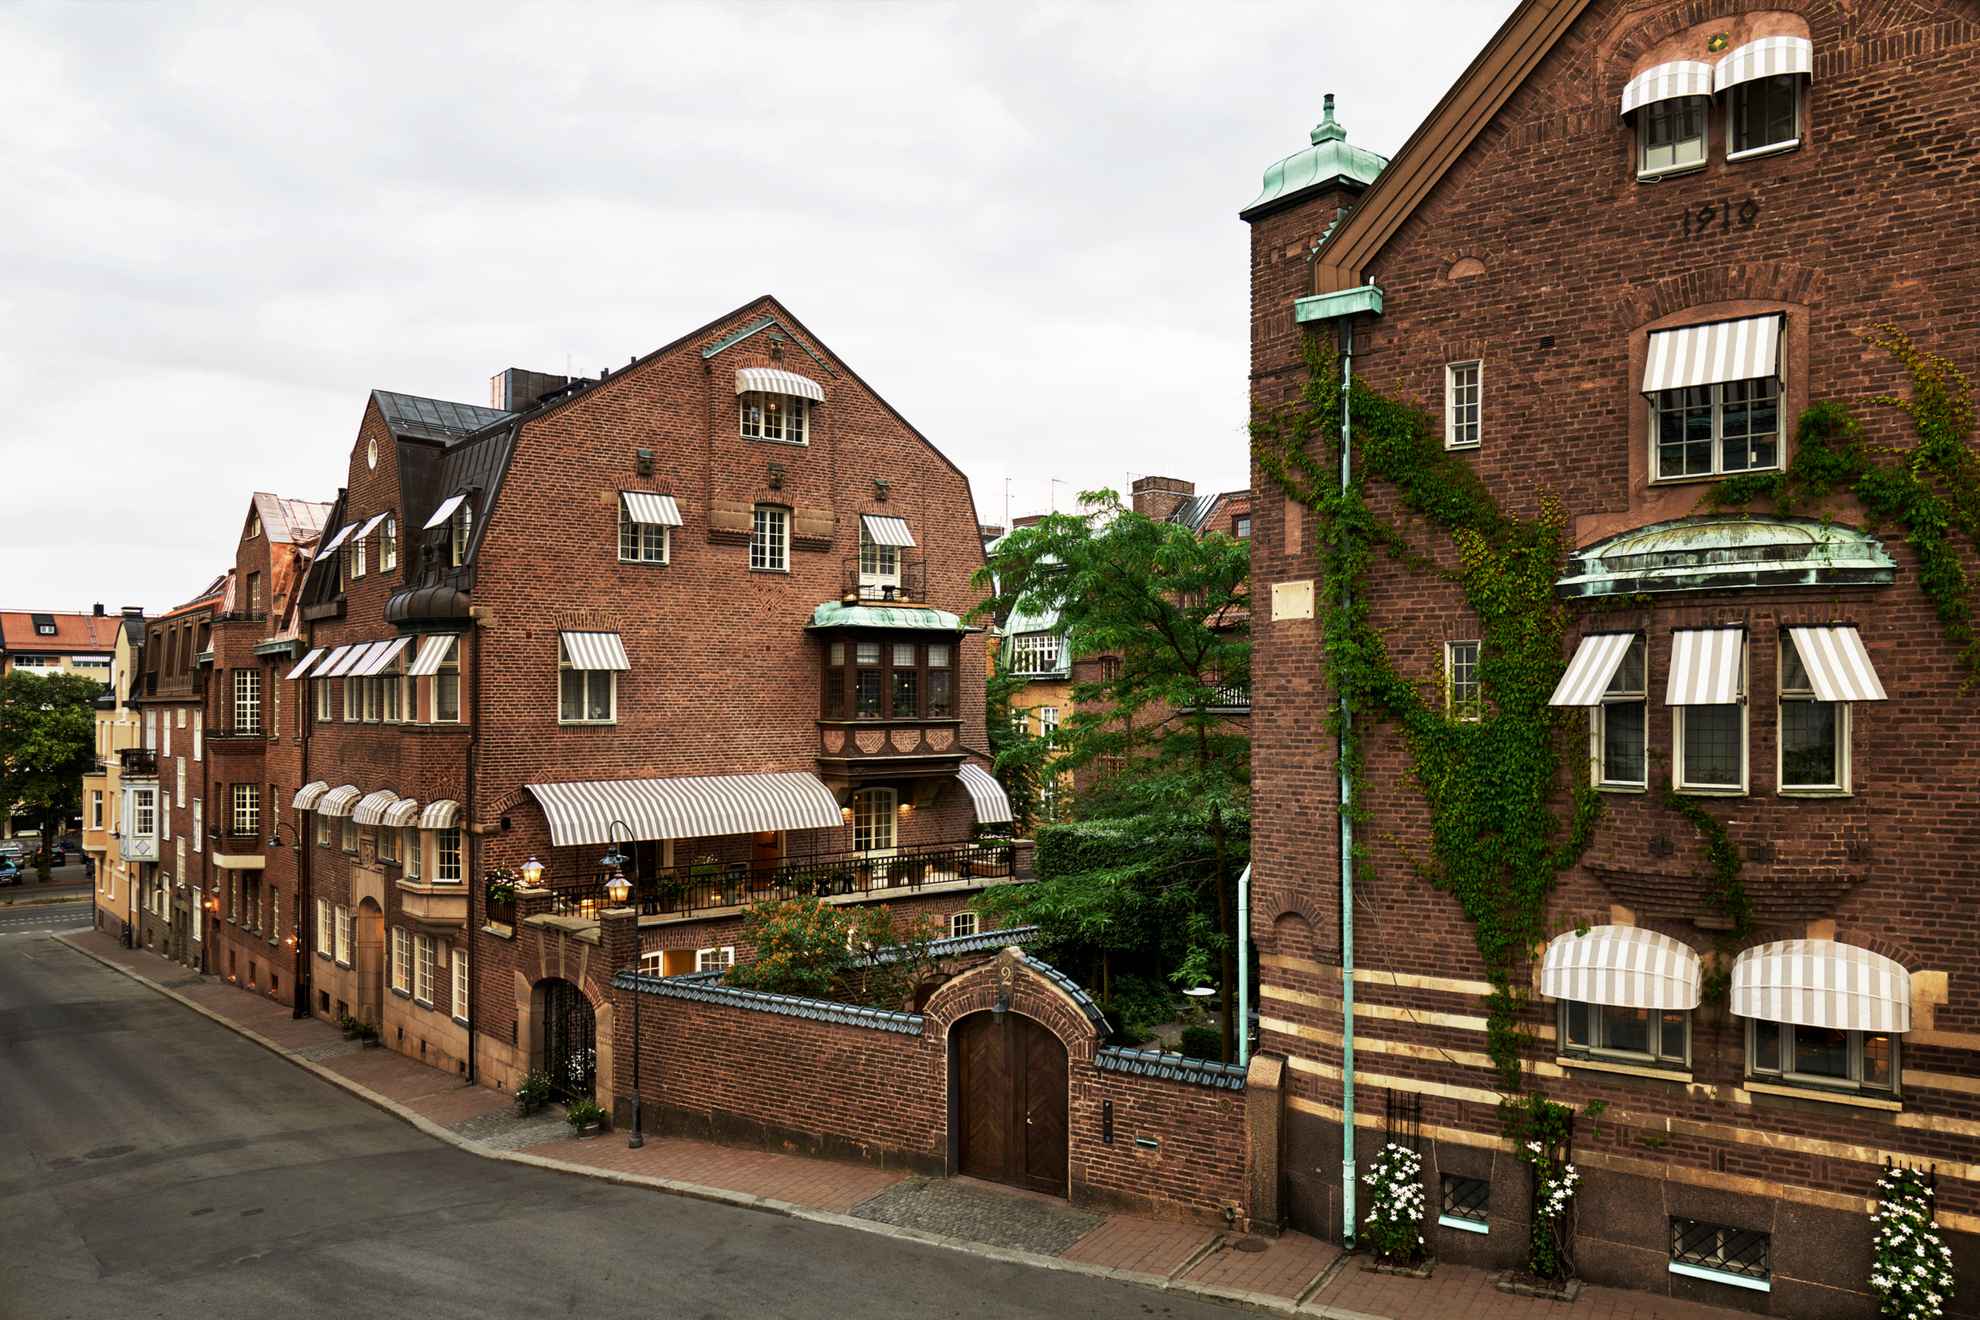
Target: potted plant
532,1092
349,1026
367,1035
585,1117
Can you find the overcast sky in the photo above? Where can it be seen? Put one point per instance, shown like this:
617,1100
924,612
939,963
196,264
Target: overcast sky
223,225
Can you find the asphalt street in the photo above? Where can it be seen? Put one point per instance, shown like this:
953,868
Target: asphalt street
154,1164
44,918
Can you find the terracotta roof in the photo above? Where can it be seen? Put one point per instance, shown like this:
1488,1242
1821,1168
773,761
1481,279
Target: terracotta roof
87,634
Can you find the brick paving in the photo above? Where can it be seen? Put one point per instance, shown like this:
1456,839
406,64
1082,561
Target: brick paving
1188,1256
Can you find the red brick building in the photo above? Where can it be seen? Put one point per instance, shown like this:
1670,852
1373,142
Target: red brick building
1618,261
163,815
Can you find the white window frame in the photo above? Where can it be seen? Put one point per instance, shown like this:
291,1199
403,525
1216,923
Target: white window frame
355,554
585,679
963,924
198,911
198,823
323,928
388,546
446,858
879,566
401,961
347,835
1037,653
144,812
1456,707
353,701
770,539
458,958
244,803
247,701
322,830
1594,1046
322,686
179,796
1841,713
415,850
96,808
1679,779
386,843
755,410
1658,405
426,966
649,543
1659,110
1460,431
199,733
459,529
873,807
1785,1075
715,959
1048,724
1598,724
450,667
150,730
1733,99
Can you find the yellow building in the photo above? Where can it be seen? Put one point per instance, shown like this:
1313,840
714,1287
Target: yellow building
117,733
38,642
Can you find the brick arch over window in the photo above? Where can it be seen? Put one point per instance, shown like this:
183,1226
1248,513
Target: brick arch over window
1041,995
1701,287
1633,40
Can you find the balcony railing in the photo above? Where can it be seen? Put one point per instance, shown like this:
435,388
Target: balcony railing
1232,696
681,891
139,762
909,581
236,732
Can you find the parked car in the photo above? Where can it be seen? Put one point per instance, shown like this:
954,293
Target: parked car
14,850
10,871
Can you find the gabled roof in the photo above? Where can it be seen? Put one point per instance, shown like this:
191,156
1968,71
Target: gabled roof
287,520
412,416
87,634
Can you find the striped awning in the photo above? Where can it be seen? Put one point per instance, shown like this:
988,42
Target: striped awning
993,805
445,511
769,380
1746,349
400,815
595,650
370,525
882,530
371,810
1707,666
350,661
1765,58
1839,669
336,657
302,665
307,795
690,808
380,655
1667,82
343,534
1622,966
1820,983
442,815
650,509
1590,672
338,801
431,652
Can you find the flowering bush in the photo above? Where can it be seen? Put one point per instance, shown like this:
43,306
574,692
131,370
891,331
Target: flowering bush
1912,1270
580,1067
1394,1226
1552,1198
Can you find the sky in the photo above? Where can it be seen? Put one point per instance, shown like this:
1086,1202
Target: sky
222,226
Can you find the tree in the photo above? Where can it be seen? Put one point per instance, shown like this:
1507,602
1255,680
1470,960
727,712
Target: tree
47,739
1172,609
1017,755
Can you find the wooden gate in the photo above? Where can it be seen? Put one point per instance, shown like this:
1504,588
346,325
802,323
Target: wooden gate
1011,1091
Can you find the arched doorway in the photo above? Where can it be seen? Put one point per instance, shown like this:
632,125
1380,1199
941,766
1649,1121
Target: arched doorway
1010,1101
570,1040
370,951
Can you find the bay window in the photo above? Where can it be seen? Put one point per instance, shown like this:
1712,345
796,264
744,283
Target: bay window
892,679
447,857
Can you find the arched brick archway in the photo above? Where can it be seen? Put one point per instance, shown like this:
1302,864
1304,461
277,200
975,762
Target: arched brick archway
548,956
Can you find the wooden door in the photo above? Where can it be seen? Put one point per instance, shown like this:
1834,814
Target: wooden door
1011,1091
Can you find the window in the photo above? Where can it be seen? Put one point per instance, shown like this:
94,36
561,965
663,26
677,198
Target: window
322,686
1617,728
323,928
96,809
1241,527
1727,1255
388,844
347,836
941,682
388,546
354,558
774,417
458,531
1466,1203
447,857
401,961
253,527
1765,115
43,629
1048,724
1037,653
322,831
866,679
425,963
1703,430
1672,135
1710,743
274,913
250,902
460,1006
585,696
353,700
1463,386
198,823
879,567
904,700
961,924
415,855
873,820
391,688
1463,694
343,935
254,593
447,685
1814,735
642,543
144,812
715,960
180,796
247,701
770,539
1827,1058
1643,1035
246,816
198,913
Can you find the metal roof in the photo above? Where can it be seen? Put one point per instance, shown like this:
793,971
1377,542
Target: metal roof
1327,159
1722,552
433,419
1170,1067
288,520
837,614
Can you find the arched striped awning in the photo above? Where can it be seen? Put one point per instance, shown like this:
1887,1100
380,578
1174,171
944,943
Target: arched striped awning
371,810
993,805
402,814
688,808
307,796
771,380
1820,983
1767,57
1667,82
1622,966
442,815
338,801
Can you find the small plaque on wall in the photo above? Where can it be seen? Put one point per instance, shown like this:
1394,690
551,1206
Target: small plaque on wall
1292,600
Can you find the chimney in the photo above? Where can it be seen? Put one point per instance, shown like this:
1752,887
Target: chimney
1160,497
99,609
516,389
134,611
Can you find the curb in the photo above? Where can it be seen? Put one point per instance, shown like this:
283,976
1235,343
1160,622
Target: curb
44,900
722,1195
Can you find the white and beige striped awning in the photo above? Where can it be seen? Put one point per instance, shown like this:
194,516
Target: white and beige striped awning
347,662
691,808
306,796
1820,983
595,650
770,380
370,525
1622,966
1765,58
442,815
1593,667
343,534
1708,667
445,511
400,815
993,805
1839,669
1746,349
1667,82
338,801
651,509
883,530
372,808
302,665
381,655
431,652
336,657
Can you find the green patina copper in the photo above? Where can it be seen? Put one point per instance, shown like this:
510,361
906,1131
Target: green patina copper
1329,158
895,618
1722,552
1344,302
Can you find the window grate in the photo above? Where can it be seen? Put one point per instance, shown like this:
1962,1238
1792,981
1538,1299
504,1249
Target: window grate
1739,1251
1466,1198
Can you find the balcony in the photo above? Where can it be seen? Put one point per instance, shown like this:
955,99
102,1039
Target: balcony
685,891
253,731
442,906
139,762
909,582
1233,698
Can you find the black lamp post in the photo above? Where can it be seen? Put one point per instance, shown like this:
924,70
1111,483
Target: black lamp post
618,892
299,976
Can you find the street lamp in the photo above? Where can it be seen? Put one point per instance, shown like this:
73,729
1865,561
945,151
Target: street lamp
618,890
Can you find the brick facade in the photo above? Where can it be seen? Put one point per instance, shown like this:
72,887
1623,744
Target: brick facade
1539,252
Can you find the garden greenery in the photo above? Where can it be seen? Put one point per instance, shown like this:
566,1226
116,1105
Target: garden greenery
1393,1228
1911,1269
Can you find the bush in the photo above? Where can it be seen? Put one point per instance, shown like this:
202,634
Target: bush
1393,1229
1203,1042
533,1092
1911,1271
1138,1005
800,948
583,1113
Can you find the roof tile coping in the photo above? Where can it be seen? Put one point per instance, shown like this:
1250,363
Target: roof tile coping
706,988
1075,990
981,942
1170,1067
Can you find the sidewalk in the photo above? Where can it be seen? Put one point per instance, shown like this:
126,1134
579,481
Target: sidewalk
1291,1274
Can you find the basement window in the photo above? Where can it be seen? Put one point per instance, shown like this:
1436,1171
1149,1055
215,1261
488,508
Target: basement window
1466,1203
1738,1256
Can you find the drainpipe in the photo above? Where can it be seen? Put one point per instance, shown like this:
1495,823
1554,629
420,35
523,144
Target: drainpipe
476,848
1244,967
1346,325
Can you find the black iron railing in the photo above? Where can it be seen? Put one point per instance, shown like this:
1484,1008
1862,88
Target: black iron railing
140,761
908,581
1232,696
700,887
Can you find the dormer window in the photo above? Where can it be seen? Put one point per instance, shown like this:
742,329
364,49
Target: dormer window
253,527
459,531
